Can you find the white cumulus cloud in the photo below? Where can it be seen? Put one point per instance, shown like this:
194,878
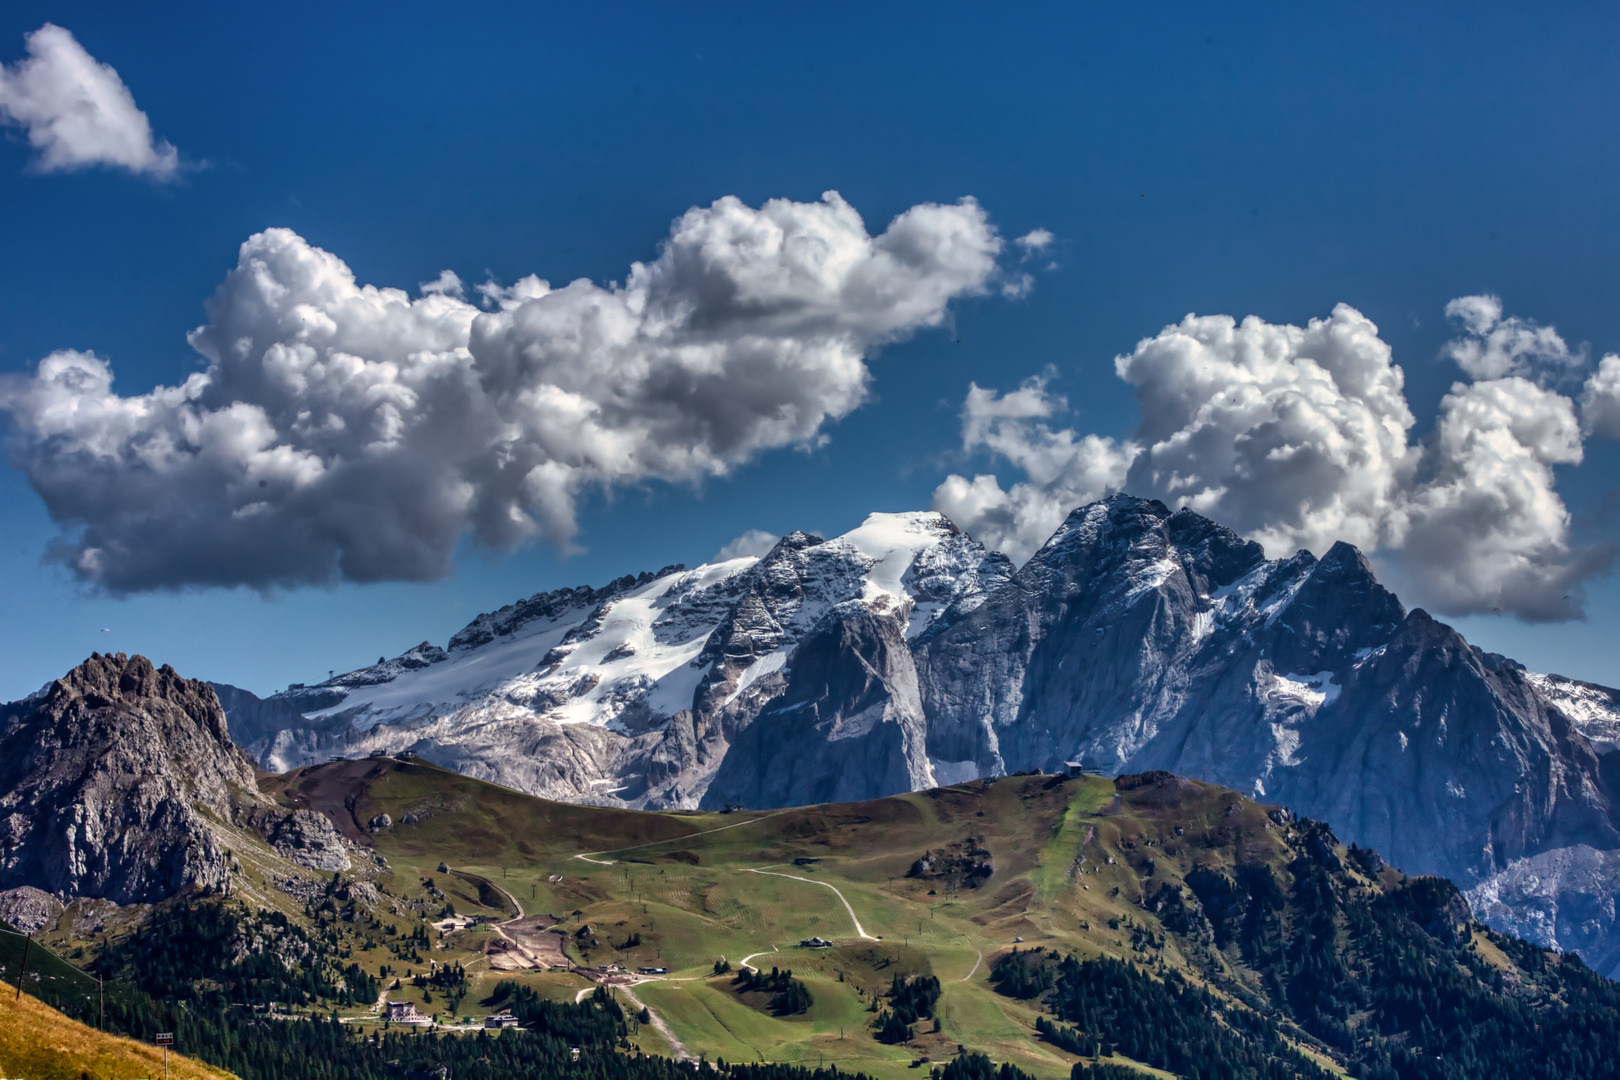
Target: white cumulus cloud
77,112
1600,399
755,542
348,431
1295,435
1493,346
1063,470
1487,529
1036,240
1300,436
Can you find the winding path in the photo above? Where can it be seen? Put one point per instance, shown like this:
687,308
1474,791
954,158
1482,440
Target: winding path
859,929
679,1048
517,907
675,1044
976,962
744,961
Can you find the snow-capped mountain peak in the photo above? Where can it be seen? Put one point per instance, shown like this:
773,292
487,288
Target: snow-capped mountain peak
626,660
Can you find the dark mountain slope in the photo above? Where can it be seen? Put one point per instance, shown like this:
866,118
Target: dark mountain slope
848,724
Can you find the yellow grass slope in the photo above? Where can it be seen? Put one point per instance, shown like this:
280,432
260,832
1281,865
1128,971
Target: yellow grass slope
39,1043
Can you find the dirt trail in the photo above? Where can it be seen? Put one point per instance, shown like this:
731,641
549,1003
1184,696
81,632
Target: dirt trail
527,937
675,1044
517,907
860,931
500,929
744,961
977,961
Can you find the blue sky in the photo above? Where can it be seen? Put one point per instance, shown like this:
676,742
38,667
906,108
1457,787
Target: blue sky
1272,160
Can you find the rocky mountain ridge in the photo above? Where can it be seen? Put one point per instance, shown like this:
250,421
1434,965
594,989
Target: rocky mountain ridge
629,694
904,655
108,781
120,782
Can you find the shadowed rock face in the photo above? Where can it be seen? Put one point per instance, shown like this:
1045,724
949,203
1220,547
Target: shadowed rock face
848,726
1074,657
103,784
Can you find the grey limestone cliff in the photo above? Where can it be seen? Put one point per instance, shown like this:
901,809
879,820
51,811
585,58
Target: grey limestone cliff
847,726
120,782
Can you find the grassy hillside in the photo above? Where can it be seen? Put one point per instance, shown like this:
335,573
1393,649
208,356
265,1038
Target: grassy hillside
40,1043
696,888
1035,919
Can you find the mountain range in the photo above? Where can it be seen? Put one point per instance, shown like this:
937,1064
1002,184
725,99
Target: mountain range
904,655
1075,927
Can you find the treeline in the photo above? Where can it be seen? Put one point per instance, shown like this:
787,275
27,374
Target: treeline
251,958
1435,1008
975,1066
790,997
911,999
602,1024
1113,1007
1390,978
1380,971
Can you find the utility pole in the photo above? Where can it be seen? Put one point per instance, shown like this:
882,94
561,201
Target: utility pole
22,968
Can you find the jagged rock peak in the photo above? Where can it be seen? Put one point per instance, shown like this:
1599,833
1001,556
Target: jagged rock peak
105,784
116,681
1337,609
794,541
384,670
1139,542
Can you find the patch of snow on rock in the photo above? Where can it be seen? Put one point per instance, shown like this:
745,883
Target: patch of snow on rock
1593,709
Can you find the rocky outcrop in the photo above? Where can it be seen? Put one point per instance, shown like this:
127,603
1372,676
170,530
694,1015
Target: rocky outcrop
310,839
28,909
107,785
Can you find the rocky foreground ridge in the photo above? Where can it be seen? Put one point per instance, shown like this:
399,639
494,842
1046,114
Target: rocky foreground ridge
120,782
904,655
